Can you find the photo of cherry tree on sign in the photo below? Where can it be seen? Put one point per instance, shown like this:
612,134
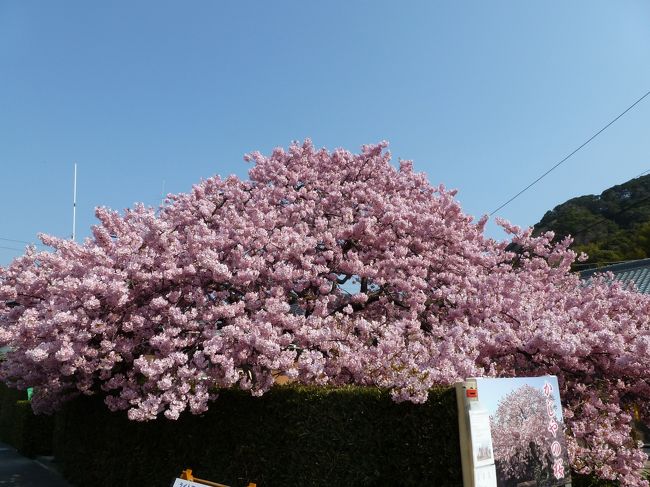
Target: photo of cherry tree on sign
527,432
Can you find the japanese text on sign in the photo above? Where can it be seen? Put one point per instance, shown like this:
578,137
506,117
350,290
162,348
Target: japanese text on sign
556,448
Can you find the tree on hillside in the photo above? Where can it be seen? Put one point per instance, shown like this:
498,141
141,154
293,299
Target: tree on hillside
328,268
608,227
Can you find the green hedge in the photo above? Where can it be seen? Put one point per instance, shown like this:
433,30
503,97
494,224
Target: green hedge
585,481
290,436
33,433
8,412
30,434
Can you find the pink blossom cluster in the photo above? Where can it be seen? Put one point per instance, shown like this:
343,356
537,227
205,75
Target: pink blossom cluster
328,268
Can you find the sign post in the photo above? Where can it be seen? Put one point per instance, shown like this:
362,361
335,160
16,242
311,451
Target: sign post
475,438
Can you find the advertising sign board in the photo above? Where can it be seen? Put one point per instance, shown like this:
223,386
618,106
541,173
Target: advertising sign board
512,432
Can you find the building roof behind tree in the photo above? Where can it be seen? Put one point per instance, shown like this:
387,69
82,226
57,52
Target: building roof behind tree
635,271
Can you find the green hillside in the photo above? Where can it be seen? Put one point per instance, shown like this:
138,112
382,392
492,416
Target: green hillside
610,227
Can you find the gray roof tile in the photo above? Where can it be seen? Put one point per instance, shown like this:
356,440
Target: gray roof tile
636,271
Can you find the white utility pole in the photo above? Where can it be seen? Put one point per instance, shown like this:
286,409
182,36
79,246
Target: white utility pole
74,203
162,194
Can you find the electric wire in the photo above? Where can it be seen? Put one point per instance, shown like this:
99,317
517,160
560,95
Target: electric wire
16,241
21,241
596,264
567,157
11,248
590,226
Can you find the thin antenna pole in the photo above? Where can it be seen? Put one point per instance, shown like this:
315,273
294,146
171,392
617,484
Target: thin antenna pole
74,204
162,194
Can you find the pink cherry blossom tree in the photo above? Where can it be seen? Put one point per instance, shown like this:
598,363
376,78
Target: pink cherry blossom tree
328,268
522,440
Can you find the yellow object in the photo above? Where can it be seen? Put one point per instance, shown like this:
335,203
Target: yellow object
187,475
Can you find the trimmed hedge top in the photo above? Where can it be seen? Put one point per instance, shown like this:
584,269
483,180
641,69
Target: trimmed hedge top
291,436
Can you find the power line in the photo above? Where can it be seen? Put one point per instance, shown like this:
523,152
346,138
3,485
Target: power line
567,157
636,203
21,241
16,241
612,262
606,219
11,248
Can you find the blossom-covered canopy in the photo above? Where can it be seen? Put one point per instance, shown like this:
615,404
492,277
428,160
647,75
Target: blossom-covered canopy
327,268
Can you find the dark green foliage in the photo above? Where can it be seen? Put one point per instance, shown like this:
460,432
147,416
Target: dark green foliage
290,436
33,433
8,412
30,434
611,227
586,481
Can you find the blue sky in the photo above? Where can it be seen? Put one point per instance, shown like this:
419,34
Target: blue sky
491,391
483,96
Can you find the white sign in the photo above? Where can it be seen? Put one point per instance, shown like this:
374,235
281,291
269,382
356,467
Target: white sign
479,427
187,483
512,432
485,476
482,449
